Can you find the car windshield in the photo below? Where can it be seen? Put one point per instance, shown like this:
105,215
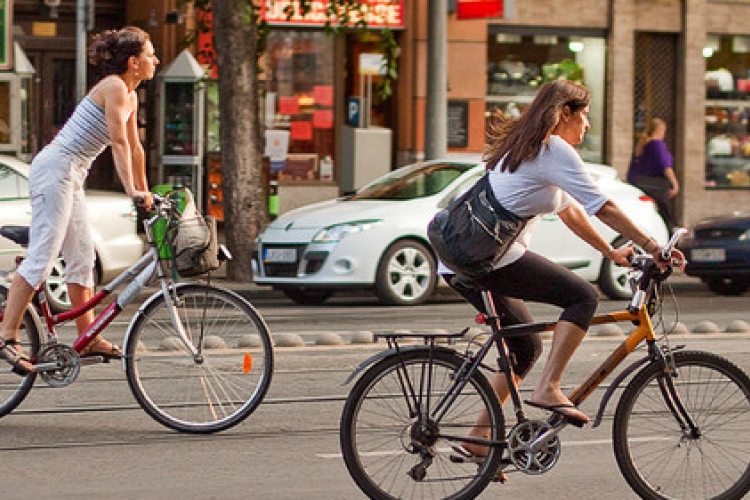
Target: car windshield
415,181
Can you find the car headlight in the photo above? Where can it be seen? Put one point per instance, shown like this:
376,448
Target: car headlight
745,236
336,232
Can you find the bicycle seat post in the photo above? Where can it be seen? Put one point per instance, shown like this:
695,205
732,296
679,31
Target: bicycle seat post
503,357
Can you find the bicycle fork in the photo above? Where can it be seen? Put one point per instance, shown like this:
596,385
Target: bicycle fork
672,396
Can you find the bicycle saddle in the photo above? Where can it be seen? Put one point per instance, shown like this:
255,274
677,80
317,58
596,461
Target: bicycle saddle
17,234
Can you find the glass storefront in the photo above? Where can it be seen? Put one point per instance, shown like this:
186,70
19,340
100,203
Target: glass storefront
727,111
300,98
518,63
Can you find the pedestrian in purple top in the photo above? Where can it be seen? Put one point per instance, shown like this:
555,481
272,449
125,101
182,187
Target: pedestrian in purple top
651,170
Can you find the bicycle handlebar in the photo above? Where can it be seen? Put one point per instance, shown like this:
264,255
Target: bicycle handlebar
651,271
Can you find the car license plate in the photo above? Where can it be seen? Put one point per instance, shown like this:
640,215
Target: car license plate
708,255
280,255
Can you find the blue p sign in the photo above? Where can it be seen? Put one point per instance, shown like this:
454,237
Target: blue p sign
353,110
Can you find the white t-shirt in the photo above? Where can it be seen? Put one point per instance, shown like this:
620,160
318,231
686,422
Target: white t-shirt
545,185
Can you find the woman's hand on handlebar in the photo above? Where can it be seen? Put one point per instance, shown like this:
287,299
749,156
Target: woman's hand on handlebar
143,199
622,255
676,258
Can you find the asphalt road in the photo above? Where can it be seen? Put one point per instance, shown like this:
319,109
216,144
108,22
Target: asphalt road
91,440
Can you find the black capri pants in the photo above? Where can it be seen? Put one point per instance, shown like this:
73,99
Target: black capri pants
536,279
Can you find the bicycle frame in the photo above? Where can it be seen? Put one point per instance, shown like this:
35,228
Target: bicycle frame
636,313
137,276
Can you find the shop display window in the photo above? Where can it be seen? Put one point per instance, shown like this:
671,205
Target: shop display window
727,111
519,63
300,97
179,102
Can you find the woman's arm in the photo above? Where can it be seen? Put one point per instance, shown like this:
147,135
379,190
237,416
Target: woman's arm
578,221
120,116
615,218
138,156
669,174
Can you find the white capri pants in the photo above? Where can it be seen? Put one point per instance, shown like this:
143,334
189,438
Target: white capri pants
59,220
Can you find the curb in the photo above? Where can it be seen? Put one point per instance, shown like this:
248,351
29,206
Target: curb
736,328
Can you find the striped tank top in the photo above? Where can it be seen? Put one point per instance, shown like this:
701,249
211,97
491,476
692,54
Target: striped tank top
85,134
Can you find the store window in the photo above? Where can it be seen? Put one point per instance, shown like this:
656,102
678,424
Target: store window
518,63
727,111
300,98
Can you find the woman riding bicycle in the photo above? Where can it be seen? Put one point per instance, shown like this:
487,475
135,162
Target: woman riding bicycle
534,170
106,116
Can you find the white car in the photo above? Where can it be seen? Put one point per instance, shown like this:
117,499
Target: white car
113,229
376,238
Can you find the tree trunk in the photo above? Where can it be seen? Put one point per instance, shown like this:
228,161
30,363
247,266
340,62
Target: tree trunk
236,46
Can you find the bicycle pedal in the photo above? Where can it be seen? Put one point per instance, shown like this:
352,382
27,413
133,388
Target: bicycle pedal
93,360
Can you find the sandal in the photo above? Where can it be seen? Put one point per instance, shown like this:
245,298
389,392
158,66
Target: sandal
13,357
114,351
462,455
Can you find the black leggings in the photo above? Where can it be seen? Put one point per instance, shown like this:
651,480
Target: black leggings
536,279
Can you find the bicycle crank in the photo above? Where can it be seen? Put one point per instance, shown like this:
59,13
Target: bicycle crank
59,365
532,450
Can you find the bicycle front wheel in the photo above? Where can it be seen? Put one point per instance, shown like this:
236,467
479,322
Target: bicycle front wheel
396,438
14,388
214,377
661,459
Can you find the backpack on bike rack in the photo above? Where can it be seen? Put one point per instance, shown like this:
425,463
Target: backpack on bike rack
474,231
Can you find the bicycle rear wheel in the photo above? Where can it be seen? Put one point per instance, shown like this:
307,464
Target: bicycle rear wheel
14,388
659,459
394,451
220,384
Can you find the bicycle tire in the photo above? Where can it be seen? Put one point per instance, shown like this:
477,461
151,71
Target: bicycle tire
219,387
658,459
14,388
376,427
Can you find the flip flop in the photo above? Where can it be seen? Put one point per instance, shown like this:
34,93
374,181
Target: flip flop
462,455
13,357
113,352
558,409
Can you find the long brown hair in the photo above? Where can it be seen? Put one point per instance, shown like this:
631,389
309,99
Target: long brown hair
521,139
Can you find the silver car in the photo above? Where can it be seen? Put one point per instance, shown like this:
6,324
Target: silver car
113,229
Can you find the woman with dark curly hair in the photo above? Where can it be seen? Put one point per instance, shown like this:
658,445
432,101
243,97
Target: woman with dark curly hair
107,116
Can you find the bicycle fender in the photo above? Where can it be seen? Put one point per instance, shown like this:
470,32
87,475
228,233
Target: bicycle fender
614,385
382,355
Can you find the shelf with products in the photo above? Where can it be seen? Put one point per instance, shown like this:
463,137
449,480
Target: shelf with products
727,143
511,105
179,118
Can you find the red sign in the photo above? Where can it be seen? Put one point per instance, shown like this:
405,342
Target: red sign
473,9
376,13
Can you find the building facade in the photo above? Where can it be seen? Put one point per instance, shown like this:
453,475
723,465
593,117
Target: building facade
685,61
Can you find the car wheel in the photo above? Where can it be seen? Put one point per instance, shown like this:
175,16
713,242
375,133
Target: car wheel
56,290
406,274
307,297
728,286
613,279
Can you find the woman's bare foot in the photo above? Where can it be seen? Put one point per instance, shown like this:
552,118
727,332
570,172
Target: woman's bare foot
556,402
102,347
